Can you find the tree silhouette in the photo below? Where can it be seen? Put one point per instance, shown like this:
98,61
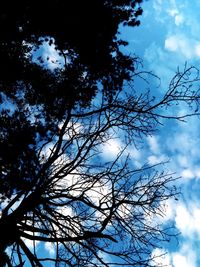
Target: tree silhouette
90,57
56,186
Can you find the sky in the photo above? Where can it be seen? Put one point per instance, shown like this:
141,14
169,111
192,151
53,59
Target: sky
168,37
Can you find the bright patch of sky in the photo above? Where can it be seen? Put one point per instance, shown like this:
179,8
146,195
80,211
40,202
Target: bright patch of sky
47,56
168,37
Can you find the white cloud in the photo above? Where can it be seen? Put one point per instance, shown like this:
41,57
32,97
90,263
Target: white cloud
100,192
168,10
172,43
54,59
50,247
179,19
182,160
192,172
30,243
66,211
111,148
185,257
169,210
183,45
187,174
197,49
153,144
152,160
181,260
187,220
156,156
197,173
73,129
161,258
173,12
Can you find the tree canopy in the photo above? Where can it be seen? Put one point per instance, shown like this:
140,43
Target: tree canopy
85,34
55,186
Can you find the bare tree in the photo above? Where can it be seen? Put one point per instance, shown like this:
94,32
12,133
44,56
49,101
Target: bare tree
93,212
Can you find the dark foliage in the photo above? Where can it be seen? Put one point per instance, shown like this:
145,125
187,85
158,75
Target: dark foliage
85,30
85,34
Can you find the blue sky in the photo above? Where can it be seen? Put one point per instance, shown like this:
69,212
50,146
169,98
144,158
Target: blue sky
168,37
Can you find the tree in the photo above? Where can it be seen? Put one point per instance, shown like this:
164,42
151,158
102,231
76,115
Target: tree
90,57
55,185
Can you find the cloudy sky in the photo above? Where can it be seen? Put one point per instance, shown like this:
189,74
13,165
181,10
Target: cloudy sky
169,36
